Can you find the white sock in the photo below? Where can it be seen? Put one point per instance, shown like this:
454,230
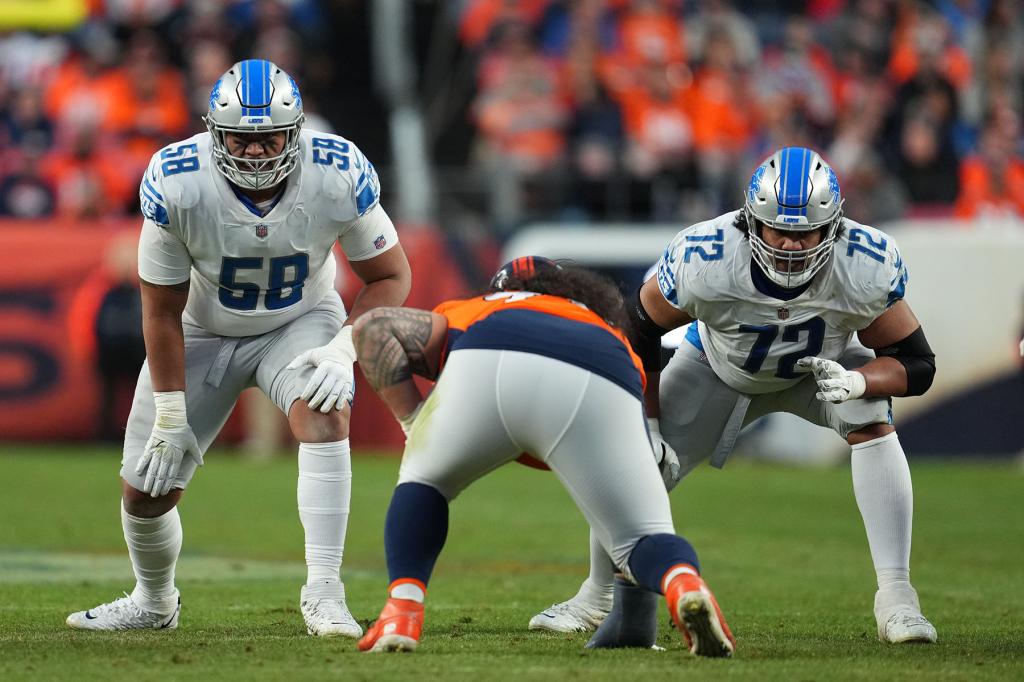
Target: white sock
597,588
885,496
409,591
153,545
324,493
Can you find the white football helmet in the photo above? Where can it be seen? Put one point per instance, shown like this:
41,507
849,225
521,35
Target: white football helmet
794,190
255,96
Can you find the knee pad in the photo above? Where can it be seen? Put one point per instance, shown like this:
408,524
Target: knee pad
854,415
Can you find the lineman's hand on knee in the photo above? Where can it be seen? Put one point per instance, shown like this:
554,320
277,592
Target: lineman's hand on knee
836,384
171,440
332,384
665,456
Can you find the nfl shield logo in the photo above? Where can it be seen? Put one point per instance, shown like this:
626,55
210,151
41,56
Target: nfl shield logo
379,242
783,313
261,231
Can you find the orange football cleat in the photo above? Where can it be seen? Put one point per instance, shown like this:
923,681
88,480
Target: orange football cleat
696,614
397,629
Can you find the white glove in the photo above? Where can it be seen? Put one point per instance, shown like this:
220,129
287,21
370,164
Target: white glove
1022,348
170,441
664,456
836,384
332,384
407,421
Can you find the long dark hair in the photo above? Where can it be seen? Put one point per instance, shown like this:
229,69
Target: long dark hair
594,290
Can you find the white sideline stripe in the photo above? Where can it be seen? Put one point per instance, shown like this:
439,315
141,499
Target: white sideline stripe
31,566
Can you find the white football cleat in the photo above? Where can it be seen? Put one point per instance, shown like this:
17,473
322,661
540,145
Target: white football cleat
898,613
323,607
124,614
574,615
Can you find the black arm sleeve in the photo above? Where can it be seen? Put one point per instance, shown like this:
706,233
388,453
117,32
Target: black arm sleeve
917,358
645,336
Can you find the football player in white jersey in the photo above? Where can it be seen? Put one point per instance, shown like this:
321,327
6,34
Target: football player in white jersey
773,296
237,269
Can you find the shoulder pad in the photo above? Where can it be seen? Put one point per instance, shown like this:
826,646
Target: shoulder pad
348,180
872,264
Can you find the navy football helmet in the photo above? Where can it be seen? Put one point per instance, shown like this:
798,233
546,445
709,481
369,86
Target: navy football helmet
520,268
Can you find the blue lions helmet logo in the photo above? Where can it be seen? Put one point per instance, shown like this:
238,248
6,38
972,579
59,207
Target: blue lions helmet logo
755,183
833,185
215,95
295,92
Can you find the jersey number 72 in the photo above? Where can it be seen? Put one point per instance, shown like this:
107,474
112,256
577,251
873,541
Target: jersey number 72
766,335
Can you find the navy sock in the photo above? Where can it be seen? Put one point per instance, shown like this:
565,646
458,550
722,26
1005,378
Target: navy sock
414,531
633,621
655,554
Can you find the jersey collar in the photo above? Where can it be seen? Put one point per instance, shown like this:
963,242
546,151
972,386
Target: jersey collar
251,205
770,288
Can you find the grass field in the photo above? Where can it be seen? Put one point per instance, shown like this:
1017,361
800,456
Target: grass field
784,550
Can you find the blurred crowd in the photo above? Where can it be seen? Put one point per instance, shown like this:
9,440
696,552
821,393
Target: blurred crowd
583,109
81,112
660,108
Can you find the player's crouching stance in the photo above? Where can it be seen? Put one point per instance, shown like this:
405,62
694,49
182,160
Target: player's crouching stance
526,369
771,293
238,290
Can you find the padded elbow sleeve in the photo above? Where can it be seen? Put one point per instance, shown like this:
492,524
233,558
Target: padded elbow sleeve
917,358
646,336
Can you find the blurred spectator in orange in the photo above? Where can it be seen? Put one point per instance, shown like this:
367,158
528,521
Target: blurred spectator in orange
88,175
150,108
658,121
80,86
651,32
856,80
521,112
24,193
105,332
659,140
924,35
723,123
481,17
992,181
722,119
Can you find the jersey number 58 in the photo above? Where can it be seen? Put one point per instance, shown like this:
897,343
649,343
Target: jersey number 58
284,285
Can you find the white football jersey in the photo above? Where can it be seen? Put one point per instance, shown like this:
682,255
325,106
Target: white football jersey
249,273
751,334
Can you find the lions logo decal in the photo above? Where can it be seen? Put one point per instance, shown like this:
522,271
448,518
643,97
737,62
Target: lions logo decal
755,183
833,185
215,95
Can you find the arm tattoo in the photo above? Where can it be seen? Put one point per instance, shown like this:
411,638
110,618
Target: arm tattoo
391,345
